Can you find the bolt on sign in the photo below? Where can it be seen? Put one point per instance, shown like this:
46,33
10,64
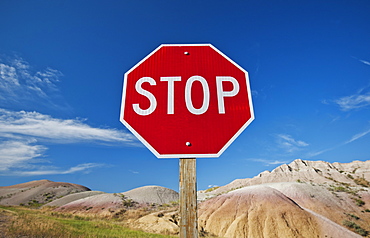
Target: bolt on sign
186,101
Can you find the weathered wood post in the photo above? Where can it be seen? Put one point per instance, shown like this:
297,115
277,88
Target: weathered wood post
188,199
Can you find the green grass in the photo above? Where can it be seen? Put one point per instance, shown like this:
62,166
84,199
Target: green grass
36,223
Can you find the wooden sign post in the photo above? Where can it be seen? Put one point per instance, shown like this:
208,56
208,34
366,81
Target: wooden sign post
188,199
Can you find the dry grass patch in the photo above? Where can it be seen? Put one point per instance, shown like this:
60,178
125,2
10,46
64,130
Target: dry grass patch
362,182
37,223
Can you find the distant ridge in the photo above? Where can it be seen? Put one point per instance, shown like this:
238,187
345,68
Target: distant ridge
304,171
38,192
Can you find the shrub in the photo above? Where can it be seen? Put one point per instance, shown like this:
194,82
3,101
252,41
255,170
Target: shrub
353,216
359,202
340,189
211,189
362,182
358,229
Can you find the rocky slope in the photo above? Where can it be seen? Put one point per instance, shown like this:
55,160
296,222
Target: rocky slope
301,199
319,172
281,210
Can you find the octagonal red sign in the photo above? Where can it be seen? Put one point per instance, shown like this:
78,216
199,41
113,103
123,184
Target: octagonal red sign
186,101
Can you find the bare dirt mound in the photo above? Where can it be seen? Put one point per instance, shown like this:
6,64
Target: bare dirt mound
152,194
37,192
102,204
118,203
71,198
274,211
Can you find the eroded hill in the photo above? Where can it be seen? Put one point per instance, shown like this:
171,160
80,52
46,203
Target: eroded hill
300,199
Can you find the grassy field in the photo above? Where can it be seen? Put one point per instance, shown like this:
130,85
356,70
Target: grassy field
26,222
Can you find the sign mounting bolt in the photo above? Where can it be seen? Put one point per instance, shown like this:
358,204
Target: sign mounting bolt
188,144
186,53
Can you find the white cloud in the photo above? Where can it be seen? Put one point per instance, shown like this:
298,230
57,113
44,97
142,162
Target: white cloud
8,77
353,102
365,62
17,154
20,84
22,132
290,144
360,99
362,61
22,158
79,168
40,126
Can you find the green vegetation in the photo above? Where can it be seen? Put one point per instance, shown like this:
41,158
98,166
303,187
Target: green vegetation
352,216
126,202
40,223
340,189
362,182
356,228
34,204
359,202
344,187
211,189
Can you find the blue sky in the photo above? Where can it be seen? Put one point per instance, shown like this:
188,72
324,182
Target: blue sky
61,75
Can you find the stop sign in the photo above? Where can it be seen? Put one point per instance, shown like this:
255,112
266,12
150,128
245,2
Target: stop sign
186,101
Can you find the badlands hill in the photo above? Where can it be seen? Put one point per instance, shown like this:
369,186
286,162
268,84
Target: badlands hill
115,204
300,199
37,192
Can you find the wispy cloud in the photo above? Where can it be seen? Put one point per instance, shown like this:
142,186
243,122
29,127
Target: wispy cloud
18,154
362,61
316,153
365,62
357,136
270,162
288,143
358,100
355,101
85,168
20,84
21,135
40,126
352,139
